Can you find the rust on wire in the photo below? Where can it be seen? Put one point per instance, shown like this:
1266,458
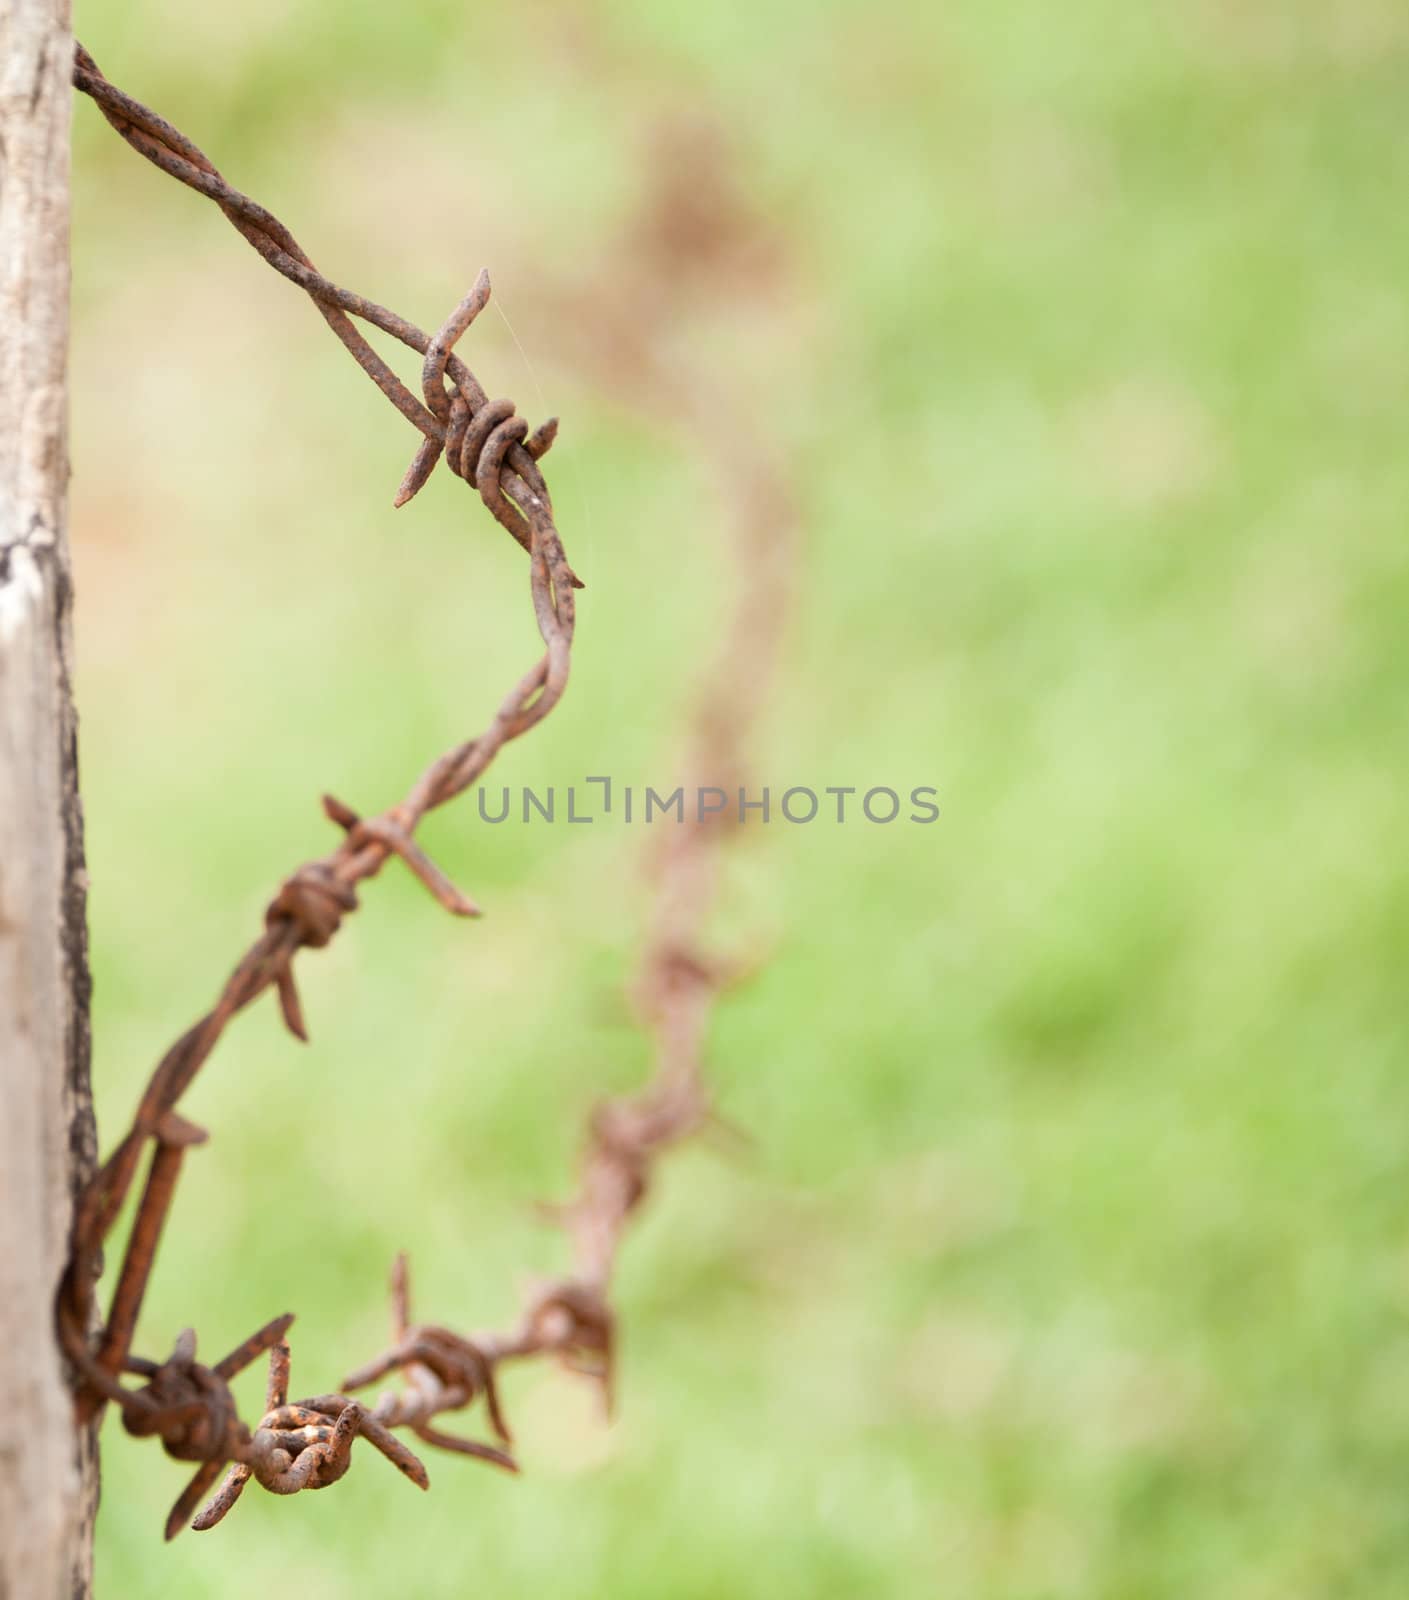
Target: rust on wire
307,1444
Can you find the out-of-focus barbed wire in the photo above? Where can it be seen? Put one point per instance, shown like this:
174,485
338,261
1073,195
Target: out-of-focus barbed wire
306,1444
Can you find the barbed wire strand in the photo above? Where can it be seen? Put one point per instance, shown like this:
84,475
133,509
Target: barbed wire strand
306,1444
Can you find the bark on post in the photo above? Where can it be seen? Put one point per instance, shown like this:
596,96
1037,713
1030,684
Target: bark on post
48,1470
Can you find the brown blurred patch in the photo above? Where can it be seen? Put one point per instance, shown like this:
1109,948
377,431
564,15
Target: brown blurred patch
694,229
694,252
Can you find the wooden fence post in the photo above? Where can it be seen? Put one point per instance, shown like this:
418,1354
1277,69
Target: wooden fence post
48,1467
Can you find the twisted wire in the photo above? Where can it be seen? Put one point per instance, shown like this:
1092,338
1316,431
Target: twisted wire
306,1444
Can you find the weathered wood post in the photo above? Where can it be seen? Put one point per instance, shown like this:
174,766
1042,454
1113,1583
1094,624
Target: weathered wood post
48,1471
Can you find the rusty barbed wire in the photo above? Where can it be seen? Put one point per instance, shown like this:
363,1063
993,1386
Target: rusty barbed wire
306,1444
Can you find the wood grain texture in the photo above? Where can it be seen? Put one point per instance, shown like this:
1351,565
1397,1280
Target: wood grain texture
48,1472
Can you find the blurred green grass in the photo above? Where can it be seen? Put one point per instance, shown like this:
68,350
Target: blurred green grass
1071,1259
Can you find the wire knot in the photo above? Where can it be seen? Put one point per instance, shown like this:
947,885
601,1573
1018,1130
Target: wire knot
314,900
304,1445
482,439
189,1406
442,1371
574,1319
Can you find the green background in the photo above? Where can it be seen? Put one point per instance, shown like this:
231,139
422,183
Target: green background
1071,1253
